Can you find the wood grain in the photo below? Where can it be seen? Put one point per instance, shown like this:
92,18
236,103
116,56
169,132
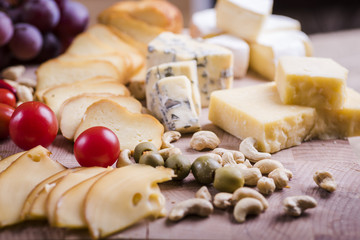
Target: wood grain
337,214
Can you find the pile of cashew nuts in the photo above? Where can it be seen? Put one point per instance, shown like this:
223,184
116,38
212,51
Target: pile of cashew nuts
258,170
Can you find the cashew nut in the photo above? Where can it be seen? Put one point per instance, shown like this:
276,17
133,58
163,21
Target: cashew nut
24,93
237,155
222,200
268,165
167,152
228,159
325,180
266,185
245,207
203,193
215,157
169,137
246,192
13,72
29,82
194,206
247,163
247,147
296,205
251,175
204,140
124,158
281,177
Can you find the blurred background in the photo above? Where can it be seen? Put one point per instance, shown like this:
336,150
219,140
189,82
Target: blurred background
315,15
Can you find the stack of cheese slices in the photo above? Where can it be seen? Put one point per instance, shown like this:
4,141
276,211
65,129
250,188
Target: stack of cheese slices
86,86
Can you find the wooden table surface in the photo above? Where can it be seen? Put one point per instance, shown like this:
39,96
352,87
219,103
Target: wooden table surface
336,217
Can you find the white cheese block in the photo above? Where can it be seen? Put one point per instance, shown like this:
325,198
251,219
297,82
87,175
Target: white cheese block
156,73
243,18
239,48
280,23
203,24
214,63
176,105
266,51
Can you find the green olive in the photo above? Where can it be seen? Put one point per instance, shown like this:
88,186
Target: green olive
143,147
180,164
152,158
228,179
203,169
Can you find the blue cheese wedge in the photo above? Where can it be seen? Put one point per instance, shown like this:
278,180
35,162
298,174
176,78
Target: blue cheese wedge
156,73
214,63
176,105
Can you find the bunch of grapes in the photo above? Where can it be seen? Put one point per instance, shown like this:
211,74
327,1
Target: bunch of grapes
32,31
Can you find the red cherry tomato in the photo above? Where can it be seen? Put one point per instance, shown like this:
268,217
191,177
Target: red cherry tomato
97,146
5,114
33,124
7,86
7,97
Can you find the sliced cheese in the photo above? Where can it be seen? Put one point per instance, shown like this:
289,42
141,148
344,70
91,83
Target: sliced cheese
20,178
69,210
214,63
310,81
266,51
73,109
137,84
176,105
136,197
156,73
56,96
240,50
6,162
34,206
243,18
130,128
203,24
66,183
56,72
258,112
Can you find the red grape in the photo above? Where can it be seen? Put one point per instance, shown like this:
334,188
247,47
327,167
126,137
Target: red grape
5,114
6,29
26,42
97,146
7,86
43,14
73,20
33,124
61,3
51,47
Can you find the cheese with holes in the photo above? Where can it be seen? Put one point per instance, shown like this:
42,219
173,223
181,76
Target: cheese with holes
240,50
214,63
266,51
156,73
310,81
342,122
280,23
176,105
243,18
137,196
203,24
258,112
130,128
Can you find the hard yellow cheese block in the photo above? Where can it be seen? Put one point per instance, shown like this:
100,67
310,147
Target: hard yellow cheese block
243,18
258,112
310,81
342,122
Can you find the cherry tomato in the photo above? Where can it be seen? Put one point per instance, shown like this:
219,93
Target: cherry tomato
7,97
33,124
97,146
5,114
7,86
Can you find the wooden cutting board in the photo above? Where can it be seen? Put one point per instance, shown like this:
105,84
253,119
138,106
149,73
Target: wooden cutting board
336,217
